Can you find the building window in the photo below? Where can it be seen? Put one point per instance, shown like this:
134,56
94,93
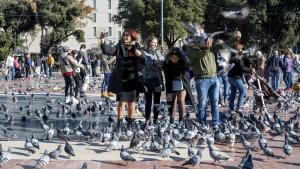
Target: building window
94,4
120,34
94,18
109,31
109,18
109,4
95,31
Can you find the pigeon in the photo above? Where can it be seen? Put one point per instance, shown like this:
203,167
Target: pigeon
194,160
192,150
56,153
29,147
134,141
248,164
43,161
35,142
113,144
244,159
268,151
1,150
50,132
8,134
125,156
68,149
5,156
238,14
216,155
84,166
247,145
287,148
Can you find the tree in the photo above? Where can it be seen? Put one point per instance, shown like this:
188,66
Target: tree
270,24
144,16
58,21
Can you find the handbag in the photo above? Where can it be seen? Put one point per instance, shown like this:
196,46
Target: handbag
152,83
177,85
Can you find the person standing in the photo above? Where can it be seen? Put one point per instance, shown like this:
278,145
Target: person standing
17,67
124,80
273,64
223,78
67,63
28,66
153,78
287,69
10,67
50,65
107,63
38,64
177,82
236,78
77,75
86,70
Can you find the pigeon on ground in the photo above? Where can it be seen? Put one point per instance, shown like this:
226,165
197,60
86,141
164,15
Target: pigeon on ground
43,161
194,160
56,153
84,166
5,156
216,155
268,151
247,145
192,150
125,156
244,159
69,149
35,142
29,147
287,148
134,141
50,132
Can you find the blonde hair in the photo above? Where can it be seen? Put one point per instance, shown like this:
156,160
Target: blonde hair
150,39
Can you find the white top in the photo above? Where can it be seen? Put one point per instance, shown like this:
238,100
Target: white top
9,61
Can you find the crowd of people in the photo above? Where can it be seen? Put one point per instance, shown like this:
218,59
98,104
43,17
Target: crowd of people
131,68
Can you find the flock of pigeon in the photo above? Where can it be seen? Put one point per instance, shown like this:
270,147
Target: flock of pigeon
162,138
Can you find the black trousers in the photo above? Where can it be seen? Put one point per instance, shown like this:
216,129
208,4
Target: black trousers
78,83
149,95
69,85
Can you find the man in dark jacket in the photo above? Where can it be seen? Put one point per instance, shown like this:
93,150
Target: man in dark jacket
38,63
274,63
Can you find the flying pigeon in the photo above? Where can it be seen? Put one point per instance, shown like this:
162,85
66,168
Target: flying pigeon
238,14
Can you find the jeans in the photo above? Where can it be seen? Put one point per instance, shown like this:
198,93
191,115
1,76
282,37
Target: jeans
156,99
50,69
275,80
68,86
224,80
11,72
78,83
105,82
288,79
236,84
208,88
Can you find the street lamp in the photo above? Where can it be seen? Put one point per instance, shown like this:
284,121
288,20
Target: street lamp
162,23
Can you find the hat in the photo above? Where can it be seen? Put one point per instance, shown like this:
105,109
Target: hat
132,33
178,52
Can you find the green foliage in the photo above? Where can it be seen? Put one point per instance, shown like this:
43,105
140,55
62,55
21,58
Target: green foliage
144,16
6,41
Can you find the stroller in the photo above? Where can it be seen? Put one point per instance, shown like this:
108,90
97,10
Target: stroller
262,92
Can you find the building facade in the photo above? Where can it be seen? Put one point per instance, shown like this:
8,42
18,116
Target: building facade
101,21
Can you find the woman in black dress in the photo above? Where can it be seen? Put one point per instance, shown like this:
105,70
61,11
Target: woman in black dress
175,69
125,78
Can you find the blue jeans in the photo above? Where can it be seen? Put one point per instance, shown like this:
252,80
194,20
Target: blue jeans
224,80
105,82
275,80
208,88
11,73
288,79
236,84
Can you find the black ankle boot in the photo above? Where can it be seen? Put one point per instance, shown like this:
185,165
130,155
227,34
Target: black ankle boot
119,123
171,120
180,119
129,124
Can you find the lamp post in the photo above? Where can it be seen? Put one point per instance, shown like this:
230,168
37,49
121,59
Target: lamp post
162,24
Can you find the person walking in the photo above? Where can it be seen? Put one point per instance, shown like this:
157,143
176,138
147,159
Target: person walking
77,75
124,80
28,66
38,65
153,78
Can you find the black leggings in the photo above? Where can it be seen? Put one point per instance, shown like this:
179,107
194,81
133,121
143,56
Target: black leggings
69,86
148,104
78,84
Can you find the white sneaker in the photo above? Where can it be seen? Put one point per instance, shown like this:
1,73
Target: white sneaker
68,99
75,101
